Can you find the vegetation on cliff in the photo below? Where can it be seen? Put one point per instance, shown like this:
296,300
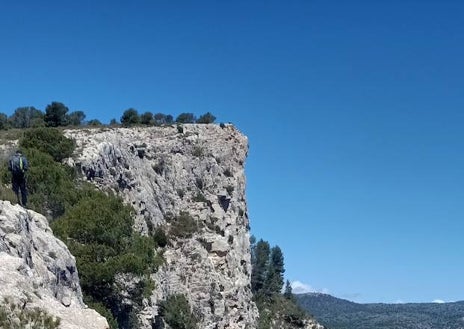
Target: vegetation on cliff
57,114
276,309
96,226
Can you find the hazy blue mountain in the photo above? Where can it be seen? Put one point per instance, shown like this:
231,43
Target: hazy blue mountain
336,313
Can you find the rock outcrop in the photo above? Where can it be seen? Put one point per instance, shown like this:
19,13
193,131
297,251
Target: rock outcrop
164,172
38,272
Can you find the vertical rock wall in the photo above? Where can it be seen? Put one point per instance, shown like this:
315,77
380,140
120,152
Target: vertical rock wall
197,169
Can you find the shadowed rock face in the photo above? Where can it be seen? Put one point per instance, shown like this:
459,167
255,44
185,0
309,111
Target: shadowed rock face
162,173
37,270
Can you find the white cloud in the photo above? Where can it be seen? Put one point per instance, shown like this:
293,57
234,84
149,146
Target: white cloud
438,301
300,287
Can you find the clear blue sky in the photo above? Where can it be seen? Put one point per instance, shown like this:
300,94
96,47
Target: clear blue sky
353,109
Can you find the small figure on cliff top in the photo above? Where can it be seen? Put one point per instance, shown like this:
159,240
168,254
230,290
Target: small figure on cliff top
18,166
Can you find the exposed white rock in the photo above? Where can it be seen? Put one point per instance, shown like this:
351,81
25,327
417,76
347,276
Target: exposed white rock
163,171
37,270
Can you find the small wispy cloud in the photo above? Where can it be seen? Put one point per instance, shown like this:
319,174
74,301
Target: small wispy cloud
439,301
299,287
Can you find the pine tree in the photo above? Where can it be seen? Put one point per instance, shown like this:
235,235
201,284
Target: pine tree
260,265
275,272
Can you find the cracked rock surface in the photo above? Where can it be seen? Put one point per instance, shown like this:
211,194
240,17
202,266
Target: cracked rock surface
164,172
38,271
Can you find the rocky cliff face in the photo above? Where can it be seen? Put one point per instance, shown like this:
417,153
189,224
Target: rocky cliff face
38,272
164,172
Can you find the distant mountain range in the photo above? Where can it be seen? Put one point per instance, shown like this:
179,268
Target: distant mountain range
336,313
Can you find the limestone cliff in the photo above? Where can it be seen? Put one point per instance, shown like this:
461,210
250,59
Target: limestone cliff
38,272
196,169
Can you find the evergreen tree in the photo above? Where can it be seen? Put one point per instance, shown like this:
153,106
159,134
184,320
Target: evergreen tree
185,118
288,293
130,117
75,118
260,264
206,118
26,117
275,272
3,121
146,118
55,114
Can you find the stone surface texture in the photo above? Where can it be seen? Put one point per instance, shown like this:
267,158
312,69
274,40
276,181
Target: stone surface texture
38,271
164,171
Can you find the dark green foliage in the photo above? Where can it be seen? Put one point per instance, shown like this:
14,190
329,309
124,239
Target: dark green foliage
278,311
146,118
113,122
49,183
342,314
185,118
130,117
26,117
94,123
75,118
183,225
98,231
199,197
206,118
175,311
275,272
230,189
288,290
48,140
160,237
55,115
162,119
4,124
169,119
260,263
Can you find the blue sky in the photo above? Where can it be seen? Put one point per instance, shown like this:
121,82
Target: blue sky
353,109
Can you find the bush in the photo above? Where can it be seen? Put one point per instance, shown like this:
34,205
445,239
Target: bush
98,232
50,184
185,118
130,117
183,226
48,140
175,311
206,118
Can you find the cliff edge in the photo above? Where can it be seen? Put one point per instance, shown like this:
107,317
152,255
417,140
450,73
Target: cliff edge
191,170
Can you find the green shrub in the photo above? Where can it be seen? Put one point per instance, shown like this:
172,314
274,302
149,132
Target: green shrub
175,311
98,232
50,184
183,226
48,140
199,197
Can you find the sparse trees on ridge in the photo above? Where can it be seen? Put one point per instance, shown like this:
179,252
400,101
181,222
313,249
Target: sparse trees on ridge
58,115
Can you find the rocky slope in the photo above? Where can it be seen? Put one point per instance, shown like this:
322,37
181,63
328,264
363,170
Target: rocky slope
38,272
164,171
